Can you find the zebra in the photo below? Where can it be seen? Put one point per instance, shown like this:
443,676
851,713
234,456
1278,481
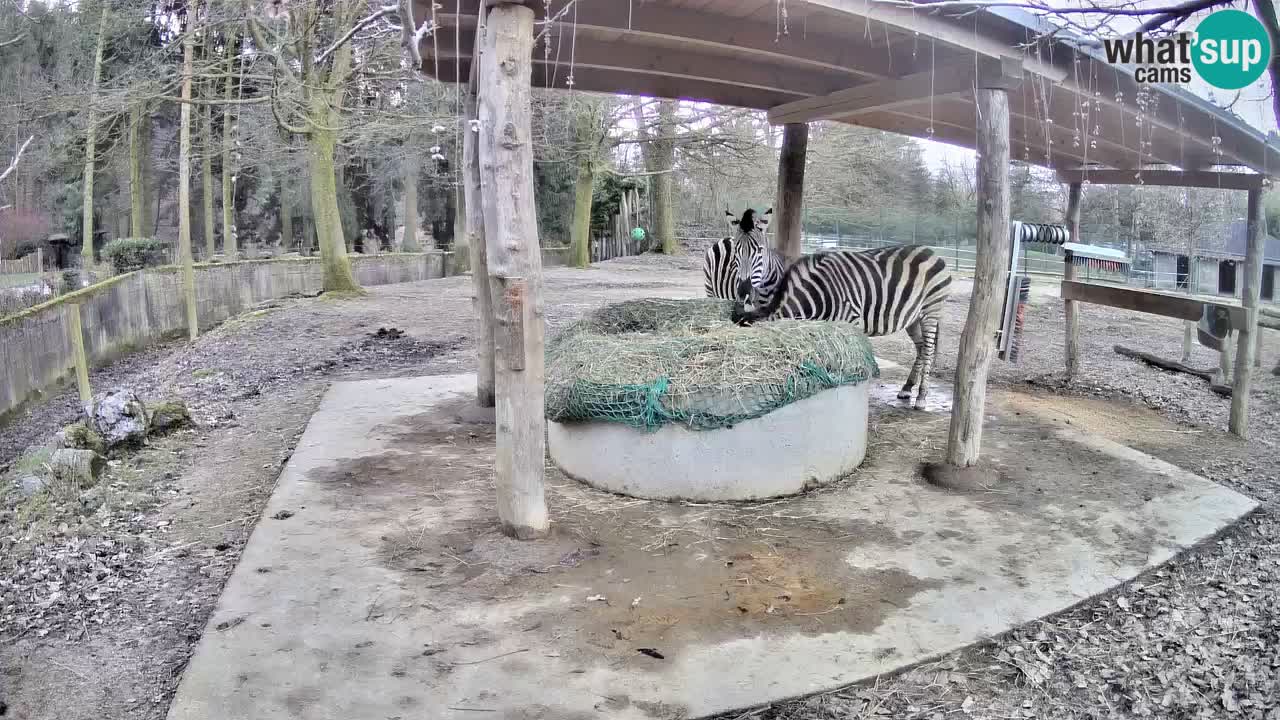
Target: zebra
720,270
883,291
721,262
759,266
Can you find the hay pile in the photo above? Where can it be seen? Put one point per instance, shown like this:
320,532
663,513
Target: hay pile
646,363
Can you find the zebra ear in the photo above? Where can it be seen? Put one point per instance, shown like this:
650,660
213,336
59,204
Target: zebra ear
763,222
729,218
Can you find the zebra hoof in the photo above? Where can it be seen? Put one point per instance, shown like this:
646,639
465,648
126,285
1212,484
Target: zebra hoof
904,394
920,404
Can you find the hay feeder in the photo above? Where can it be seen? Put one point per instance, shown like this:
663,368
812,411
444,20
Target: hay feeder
667,399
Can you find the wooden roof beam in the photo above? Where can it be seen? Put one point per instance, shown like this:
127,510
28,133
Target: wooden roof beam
933,26
695,28
894,92
628,56
1166,178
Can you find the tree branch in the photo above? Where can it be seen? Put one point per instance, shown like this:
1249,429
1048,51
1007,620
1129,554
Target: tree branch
381,12
1267,13
16,159
1181,12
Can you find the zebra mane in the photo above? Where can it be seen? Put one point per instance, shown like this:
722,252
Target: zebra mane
748,221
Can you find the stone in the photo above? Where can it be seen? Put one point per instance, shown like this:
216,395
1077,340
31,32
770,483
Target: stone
119,417
29,485
79,436
79,467
168,416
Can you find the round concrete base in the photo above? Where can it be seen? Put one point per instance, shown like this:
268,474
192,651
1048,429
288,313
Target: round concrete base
792,449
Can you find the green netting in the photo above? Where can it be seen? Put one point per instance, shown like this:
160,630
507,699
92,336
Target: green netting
646,363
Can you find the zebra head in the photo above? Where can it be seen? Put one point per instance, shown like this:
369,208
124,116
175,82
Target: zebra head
748,248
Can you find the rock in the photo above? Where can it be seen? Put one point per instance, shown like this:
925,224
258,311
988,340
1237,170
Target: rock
29,485
119,417
79,468
79,436
168,416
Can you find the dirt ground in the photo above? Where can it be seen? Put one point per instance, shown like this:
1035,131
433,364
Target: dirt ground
100,606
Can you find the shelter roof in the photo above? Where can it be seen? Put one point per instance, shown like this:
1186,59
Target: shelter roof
903,70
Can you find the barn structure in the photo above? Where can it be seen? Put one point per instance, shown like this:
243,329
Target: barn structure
1216,268
998,80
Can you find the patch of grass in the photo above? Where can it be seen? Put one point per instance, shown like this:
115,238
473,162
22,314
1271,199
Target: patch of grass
9,280
32,463
203,373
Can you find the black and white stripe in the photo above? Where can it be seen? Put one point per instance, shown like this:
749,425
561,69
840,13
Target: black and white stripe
720,270
763,269
882,291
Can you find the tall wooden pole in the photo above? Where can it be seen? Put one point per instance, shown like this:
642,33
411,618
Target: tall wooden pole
1069,273
1239,422
184,178
789,202
977,342
515,265
473,231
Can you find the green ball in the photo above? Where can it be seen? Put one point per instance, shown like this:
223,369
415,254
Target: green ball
637,234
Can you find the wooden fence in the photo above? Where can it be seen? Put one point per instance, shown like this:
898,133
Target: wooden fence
31,263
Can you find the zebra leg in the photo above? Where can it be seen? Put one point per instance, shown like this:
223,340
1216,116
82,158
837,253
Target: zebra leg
916,332
930,328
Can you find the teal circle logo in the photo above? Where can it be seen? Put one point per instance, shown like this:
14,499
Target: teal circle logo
1232,49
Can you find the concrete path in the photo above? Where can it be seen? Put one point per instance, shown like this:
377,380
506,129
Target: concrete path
376,585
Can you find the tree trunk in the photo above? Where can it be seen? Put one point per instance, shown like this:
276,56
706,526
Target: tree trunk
580,231
660,160
977,342
137,178
411,170
184,180
206,184
474,232
338,278
1069,273
229,247
789,203
515,267
664,221
1249,296
91,146
286,220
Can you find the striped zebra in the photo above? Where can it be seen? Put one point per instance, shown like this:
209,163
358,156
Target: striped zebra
759,266
883,291
721,275
720,270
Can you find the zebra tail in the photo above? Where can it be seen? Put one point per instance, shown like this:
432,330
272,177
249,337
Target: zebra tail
742,316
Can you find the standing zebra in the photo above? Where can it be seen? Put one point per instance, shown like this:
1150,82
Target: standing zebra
759,266
720,270
722,274
882,290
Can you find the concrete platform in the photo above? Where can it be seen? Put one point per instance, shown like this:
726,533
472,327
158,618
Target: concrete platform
797,447
377,584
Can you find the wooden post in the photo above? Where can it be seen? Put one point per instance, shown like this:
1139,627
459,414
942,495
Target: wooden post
1257,349
977,342
1239,422
1069,273
76,330
1188,334
514,264
789,202
39,259
481,302
1225,359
